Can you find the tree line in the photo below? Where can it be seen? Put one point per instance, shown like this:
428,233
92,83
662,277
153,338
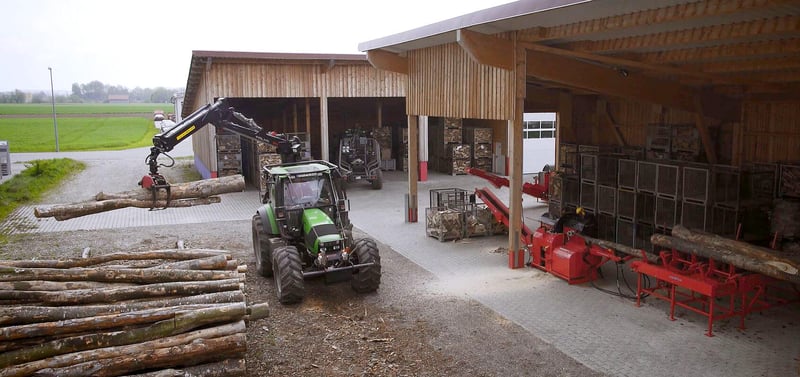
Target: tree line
92,92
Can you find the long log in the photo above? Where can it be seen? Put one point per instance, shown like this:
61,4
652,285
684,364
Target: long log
111,321
638,253
763,254
195,189
168,254
36,314
217,262
723,255
96,362
182,322
225,368
42,285
121,275
95,296
181,195
70,211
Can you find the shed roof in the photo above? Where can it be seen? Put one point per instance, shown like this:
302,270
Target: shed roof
202,59
733,44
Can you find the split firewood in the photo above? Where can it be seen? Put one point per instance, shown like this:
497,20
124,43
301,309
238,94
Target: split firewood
181,195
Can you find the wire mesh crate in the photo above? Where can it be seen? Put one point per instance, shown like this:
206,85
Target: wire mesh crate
554,208
607,166
626,173
695,216
695,184
646,176
625,232
444,224
645,207
724,221
666,212
606,227
727,182
667,180
572,191
789,181
589,167
588,195
642,234
607,200
626,203
455,198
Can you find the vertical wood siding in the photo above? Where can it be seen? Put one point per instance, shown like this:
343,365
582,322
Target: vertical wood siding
771,132
444,81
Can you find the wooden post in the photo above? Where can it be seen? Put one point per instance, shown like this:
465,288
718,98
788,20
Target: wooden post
294,116
308,124
702,128
323,128
516,258
413,169
563,123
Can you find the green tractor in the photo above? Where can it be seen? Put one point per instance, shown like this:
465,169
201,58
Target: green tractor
303,230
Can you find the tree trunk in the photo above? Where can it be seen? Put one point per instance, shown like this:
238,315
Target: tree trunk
190,348
170,254
723,255
181,195
35,314
762,254
638,253
122,275
217,262
225,368
94,296
42,285
182,322
195,189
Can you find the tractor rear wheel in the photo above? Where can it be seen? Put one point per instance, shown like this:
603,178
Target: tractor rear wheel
366,279
261,247
377,183
288,271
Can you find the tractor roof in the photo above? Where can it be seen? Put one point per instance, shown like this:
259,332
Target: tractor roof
296,169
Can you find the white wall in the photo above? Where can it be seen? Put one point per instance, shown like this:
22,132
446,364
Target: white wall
538,152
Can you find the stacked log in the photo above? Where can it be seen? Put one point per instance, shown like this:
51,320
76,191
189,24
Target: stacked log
162,312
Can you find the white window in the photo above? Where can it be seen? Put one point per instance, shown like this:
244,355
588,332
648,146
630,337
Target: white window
538,129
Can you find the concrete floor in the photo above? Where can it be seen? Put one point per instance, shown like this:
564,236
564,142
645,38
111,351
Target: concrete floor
606,333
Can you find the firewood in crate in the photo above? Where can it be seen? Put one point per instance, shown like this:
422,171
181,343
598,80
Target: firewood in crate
477,135
790,181
459,151
455,166
262,147
482,150
228,143
685,138
452,122
484,164
444,224
266,159
786,219
451,136
384,137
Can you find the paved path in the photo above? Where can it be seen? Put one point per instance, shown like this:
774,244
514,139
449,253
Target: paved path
606,333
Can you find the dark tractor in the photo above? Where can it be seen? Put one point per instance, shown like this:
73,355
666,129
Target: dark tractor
303,230
360,158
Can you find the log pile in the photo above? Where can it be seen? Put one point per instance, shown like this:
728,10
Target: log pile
181,195
155,313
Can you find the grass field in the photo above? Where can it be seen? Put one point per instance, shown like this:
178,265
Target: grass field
82,108
76,134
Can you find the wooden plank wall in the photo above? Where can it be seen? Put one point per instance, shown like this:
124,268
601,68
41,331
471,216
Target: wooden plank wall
479,91
770,132
236,79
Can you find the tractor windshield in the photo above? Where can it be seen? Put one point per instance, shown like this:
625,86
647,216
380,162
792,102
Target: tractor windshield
307,192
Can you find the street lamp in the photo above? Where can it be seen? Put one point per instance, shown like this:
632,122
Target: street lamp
53,96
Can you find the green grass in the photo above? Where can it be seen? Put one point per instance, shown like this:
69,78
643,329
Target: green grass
29,185
83,108
76,134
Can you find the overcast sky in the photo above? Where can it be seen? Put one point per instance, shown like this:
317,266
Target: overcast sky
149,43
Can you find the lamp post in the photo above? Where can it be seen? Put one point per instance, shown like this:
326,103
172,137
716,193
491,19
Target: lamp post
53,97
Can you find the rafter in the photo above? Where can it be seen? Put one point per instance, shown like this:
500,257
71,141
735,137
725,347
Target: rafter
747,65
779,77
486,49
387,61
771,48
673,13
717,33
632,85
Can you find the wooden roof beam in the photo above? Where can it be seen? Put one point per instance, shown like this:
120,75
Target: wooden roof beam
673,13
387,61
747,65
772,48
486,49
630,85
778,26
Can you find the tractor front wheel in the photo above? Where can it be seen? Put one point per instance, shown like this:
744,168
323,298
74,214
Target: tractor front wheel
366,279
261,247
288,271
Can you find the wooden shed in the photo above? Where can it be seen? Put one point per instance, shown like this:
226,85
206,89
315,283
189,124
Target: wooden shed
316,96
689,110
